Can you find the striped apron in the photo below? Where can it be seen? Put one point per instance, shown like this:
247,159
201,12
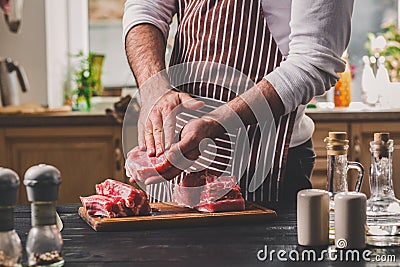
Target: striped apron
232,33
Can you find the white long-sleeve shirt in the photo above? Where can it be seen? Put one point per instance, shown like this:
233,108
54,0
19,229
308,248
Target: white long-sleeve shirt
311,34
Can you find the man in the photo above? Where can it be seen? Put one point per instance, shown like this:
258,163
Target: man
253,37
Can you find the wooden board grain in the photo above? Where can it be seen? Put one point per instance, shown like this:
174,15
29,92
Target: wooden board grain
169,215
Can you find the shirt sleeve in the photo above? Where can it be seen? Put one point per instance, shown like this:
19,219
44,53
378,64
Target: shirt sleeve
156,12
320,32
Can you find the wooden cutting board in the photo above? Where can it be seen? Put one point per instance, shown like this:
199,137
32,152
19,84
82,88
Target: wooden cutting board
169,215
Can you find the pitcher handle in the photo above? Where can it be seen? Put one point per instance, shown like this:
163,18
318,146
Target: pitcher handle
14,66
360,169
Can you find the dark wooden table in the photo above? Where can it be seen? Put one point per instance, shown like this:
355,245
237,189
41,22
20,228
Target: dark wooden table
230,245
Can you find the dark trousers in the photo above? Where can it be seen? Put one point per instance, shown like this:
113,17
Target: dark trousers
299,167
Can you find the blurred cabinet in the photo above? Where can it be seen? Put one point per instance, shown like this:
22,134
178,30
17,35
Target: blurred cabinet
360,134
85,155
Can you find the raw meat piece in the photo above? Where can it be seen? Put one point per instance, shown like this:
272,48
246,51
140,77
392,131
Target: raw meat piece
188,192
145,209
210,196
116,199
211,200
139,162
194,179
209,193
134,199
98,205
237,204
105,206
220,188
131,195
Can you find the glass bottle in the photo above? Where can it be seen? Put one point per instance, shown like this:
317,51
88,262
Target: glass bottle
383,82
368,83
342,93
10,244
44,242
337,146
383,208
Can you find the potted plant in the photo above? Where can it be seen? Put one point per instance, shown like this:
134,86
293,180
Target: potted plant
87,79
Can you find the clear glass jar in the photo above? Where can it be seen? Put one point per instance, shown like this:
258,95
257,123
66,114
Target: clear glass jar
338,166
337,146
10,244
44,242
10,249
383,208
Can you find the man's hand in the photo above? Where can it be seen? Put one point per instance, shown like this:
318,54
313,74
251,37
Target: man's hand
156,124
5,6
145,49
192,134
211,126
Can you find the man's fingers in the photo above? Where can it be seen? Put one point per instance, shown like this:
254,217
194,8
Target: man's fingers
149,138
186,146
179,159
154,180
141,134
179,165
132,179
128,173
169,130
158,134
168,175
159,128
133,176
189,102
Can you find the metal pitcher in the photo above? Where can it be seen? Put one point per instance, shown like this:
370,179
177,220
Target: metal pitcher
12,80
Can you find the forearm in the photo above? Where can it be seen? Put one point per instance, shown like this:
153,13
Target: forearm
252,106
145,50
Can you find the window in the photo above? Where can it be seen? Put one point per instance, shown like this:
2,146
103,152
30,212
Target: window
105,37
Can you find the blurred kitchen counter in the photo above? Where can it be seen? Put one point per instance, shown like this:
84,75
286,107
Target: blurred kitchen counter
85,146
34,115
353,114
73,118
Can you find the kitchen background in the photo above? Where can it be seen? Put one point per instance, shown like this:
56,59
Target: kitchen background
52,29
87,146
